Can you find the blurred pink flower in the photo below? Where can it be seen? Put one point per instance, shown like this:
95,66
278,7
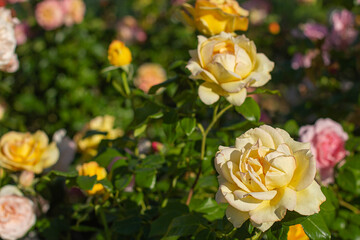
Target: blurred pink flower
259,10
327,139
148,75
315,31
17,214
26,178
129,31
309,56
74,11
343,33
49,14
21,33
297,61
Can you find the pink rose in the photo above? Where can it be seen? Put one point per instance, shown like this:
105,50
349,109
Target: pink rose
327,139
49,14
21,33
148,75
16,213
315,31
74,11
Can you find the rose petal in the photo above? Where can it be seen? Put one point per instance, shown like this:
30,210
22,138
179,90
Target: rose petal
236,217
309,199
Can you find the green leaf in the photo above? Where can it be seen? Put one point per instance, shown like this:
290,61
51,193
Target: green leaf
128,226
293,218
211,209
138,131
184,225
91,133
206,234
105,158
347,180
153,89
145,177
70,174
145,112
292,127
86,182
315,227
176,64
107,184
249,109
188,125
122,181
170,116
277,233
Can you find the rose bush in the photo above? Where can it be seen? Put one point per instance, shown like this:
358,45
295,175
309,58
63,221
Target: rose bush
25,151
228,64
264,175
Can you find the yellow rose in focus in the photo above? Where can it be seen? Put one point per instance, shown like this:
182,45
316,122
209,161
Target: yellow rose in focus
91,169
296,232
228,64
212,17
119,54
25,151
264,175
103,127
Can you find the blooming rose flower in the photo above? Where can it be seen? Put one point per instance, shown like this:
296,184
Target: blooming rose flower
16,213
21,33
49,14
74,11
119,54
228,64
91,169
327,139
296,232
264,175
128,30
25,151
148,75
103,127
7,39
212,17
315,31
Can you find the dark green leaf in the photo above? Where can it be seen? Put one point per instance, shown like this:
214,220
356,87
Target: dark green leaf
184,225
315,227
70,174
153,89
94,132
293,218
265,91
145,177
107,184
122,181
127,226
86,182
188,125
249,109
105,158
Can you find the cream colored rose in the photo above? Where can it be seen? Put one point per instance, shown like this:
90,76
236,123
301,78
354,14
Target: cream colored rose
25,151
7,37
103,127
17,214
264,175
228,64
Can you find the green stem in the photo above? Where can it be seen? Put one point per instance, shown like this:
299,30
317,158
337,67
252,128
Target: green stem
258,235
349,206
104,222
204,133
125,83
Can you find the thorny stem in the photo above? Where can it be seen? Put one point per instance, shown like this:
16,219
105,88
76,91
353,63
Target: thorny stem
204,133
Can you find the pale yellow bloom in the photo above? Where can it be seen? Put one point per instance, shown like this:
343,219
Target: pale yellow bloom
264,175
25,151
211,17
296,232
228,64
119,54
103,127
91,169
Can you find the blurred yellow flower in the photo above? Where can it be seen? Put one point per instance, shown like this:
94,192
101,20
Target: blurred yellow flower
296,232
26,151
103,128
119,54
211,17
91,169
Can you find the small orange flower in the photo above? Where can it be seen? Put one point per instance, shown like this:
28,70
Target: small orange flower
296,232
274,28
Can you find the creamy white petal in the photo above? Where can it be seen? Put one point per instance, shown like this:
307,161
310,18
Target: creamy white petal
238,98
294,145
262,227
236,217
261,70
207,95
305,171
308,201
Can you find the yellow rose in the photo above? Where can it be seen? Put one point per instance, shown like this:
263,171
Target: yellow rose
211,17
119,54
25,151
264,175
228,64
296,232
104,129
91,169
